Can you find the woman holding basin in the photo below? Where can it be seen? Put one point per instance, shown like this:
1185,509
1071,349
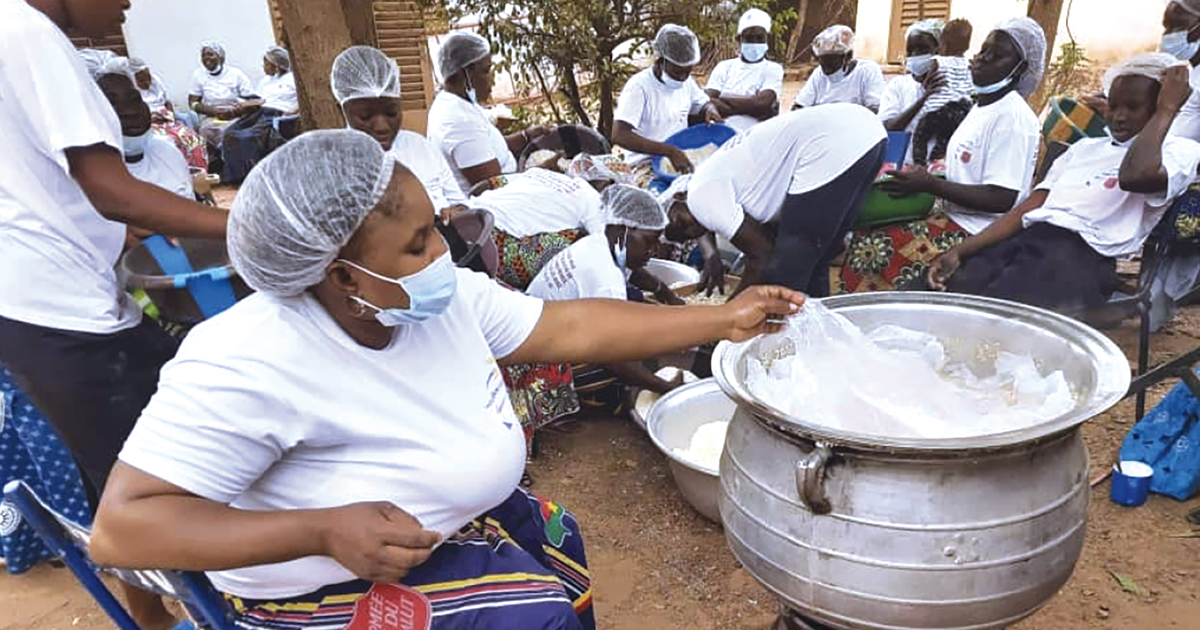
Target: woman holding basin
346,431
989,167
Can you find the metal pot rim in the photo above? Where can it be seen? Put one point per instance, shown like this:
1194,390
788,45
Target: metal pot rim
1110,388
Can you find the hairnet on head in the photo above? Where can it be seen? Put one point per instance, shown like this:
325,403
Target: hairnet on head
279,57
1149,65
1031,41
932,27
753,18
835,40
1191,6
118,66
460,50
136,65
600,168
214,47
679,185
364,72
299,207
677,44
633,207
94,60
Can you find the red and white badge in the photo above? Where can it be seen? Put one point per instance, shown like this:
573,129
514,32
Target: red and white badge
392,607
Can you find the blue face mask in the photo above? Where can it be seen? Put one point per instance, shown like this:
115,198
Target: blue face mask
430,292
919,65
754,53
1177,45
997,86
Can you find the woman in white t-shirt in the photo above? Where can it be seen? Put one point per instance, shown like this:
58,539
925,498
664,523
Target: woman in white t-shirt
343,440
785,193
366,84
841,78
747,89
471,144
1099,202
656,102
219,93
277,89
905,95
989,166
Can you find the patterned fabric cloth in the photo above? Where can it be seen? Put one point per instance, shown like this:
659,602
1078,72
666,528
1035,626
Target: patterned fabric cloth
1065,120
189,143
540,394
521,258
520,566
1182,221
889,257
32,452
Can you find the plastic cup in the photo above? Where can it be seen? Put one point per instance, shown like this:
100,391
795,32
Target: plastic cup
1131,483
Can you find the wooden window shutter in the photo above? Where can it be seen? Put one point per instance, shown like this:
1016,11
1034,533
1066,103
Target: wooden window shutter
904,14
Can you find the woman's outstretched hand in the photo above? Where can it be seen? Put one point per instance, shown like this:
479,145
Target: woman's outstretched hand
761,309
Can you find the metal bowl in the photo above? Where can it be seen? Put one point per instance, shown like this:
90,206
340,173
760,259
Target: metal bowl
671,423
672,273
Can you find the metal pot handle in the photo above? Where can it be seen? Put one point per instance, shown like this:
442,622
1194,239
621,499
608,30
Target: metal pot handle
810,479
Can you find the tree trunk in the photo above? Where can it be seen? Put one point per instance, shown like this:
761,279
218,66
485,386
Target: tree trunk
1047,13
820,15
317,31
793,47
607,104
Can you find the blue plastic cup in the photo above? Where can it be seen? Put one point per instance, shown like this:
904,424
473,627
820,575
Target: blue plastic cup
1131,483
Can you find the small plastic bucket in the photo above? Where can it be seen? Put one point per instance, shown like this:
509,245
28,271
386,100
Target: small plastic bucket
1131,483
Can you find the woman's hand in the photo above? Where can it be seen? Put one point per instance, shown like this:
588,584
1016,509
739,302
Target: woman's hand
377,541
680,161
1176,89
907,183
665,295
1097,103
712,114
712,278
942,268
934,81
447,214
761,310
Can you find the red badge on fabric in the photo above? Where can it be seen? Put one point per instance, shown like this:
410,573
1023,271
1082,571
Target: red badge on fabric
1111,183
966,157
392,607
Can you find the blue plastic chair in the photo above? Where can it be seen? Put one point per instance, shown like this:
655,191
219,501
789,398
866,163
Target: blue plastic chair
70,541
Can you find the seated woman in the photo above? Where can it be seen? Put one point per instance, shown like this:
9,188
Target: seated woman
905,96
255,134
989,167
598,265
1099,202
785,193
366,84
148,157
747,89
345,430
219,94
472,145
656,102
166,122
841,78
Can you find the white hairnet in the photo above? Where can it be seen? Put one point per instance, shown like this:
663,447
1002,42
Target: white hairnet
1031,41
114,65
279,57
94,60
932,26
679,185
633,207
364,72
1149,65
835,40
753,18
677,44
460,50
136,65
299,207
1191,6
600,168
215,48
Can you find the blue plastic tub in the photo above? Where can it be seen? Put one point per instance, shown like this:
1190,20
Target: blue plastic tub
693,137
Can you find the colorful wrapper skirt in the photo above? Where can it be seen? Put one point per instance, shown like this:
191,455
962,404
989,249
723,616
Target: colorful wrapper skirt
889,257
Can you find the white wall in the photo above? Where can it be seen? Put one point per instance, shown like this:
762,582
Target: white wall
1108,29
168,35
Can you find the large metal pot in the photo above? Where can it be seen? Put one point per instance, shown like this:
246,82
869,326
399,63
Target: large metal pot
863,532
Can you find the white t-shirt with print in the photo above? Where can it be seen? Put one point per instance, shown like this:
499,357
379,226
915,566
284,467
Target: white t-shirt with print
863,86
272,406
655,111
539,201
57,252
1085,194
425,161
221,90
735,77
279,92
791,154
466,137
163,165
995,145
584,270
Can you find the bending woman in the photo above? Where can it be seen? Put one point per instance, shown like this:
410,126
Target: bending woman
346,429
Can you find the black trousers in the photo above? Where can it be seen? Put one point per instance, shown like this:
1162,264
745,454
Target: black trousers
813,224
90,387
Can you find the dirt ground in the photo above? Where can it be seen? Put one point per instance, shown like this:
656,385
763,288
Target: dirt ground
657,564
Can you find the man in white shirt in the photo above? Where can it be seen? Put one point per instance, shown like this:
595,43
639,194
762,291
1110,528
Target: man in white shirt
77,344
656,102
746,90
785,193
1099,202
366,83
841,78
